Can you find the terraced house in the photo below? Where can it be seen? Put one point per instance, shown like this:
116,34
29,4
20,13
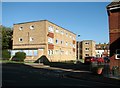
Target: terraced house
44,38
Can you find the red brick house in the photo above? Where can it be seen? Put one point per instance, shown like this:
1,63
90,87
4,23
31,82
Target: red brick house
114,33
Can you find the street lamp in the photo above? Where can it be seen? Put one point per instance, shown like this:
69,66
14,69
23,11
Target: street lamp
78,48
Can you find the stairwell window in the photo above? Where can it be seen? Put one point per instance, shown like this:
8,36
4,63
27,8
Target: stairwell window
51,29
50,40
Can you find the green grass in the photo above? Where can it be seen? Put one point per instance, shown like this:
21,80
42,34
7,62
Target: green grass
81,60
9,61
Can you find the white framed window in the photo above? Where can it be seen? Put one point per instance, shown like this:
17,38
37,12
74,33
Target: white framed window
62,42
67,34
70,36
66,52
50,40
20,28
62,32
56,51
50,52
86,49
31,27
62,52
86,55
31,38
20,39
51,29
87,43
56,41
73,38
70,44
57,31
73,45
66,43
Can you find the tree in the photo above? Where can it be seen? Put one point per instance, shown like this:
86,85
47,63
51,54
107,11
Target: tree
6,37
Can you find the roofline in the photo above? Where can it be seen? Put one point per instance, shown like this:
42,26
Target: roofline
114,6
87,40
28,22
44,20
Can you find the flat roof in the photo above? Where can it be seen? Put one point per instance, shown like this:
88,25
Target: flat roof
44,20
114,4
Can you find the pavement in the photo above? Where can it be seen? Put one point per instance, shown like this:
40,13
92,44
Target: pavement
34,74
71,73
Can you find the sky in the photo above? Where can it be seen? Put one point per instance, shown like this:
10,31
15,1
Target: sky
87,19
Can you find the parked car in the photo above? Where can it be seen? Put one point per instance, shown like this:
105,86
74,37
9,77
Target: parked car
99,60
106,59
89,60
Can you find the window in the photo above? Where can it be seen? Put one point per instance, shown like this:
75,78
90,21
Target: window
50,29
67,34
87,43
70,44
20,28
66,52
50,52
31,39
61,42
56,41
50,40
62,52
73,38
73,45
20,39
87,49
57,31
62,32
66,43
86,54
31,27
56,51
70,36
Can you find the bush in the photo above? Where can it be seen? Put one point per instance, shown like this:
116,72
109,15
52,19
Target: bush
95,69
19,56
6,54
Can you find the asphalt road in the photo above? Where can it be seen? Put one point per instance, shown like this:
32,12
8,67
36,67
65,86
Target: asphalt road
21,75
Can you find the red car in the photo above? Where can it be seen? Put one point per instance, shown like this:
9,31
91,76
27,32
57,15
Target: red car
89,60
100,60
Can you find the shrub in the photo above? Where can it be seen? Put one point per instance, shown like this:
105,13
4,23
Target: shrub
95,69
6,54
19,56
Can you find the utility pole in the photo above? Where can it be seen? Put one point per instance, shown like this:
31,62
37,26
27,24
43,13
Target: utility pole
78,48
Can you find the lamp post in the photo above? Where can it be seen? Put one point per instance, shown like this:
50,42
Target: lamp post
78,48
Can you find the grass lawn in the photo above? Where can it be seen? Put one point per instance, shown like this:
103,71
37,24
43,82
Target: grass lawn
9,61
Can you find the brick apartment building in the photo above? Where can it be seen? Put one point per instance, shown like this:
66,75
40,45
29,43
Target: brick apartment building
114,33
44,38
87,48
